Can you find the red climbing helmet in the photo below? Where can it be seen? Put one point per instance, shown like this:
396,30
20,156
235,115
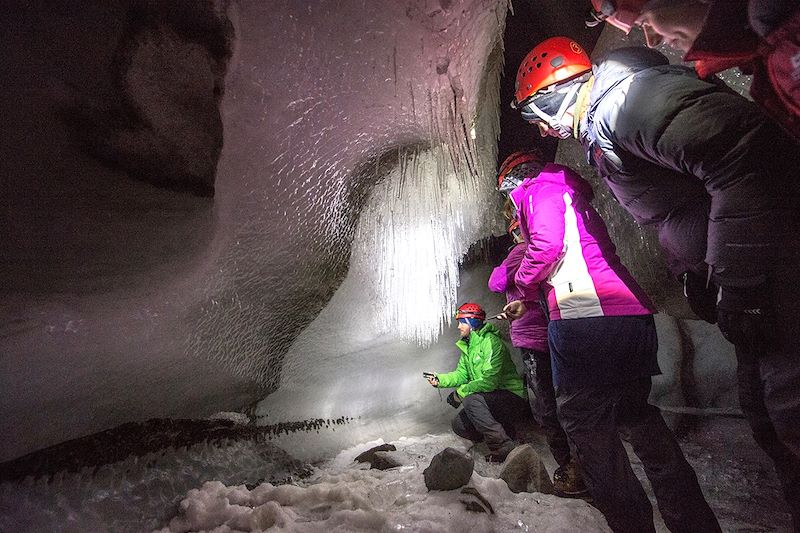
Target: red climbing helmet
621,14
516,168
471,310
554,60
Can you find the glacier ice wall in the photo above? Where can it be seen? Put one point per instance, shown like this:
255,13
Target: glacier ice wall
128,292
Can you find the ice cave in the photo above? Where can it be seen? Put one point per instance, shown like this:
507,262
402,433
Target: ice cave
234,233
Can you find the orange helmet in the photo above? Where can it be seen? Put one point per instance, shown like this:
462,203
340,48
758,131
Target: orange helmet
548,81
619,13
471,310
555,60
516,168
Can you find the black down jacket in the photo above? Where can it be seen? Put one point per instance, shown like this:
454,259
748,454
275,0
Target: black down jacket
718,179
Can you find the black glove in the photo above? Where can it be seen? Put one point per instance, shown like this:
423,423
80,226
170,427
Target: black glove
746,318
702,296
454,399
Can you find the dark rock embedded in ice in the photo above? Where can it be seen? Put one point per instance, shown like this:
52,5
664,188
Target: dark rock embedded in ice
377,459
524,471
449,469
386,460
474,507
482,505
442,64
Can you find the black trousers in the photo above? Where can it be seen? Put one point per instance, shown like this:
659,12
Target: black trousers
543,402
751,400
768,376
592,417
490,417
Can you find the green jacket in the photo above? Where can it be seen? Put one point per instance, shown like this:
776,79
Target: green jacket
485,365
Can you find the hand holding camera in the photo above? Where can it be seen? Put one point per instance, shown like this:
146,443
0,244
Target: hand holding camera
432,379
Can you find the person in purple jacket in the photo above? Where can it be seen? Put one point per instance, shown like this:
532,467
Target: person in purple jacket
603,348
529,334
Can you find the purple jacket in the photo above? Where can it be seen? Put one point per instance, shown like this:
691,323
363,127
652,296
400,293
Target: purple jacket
529,331
570,251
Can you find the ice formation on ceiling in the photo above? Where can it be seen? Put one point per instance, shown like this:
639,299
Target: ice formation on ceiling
423,216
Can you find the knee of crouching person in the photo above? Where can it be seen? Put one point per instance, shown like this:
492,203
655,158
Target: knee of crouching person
458,427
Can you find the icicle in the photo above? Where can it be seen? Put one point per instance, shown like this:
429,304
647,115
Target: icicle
422,218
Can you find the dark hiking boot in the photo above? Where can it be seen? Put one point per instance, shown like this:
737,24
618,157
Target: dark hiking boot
499,455
568,481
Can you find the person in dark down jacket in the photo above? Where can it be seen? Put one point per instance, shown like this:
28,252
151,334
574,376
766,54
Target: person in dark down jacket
529,334
603,348
719,182
486,382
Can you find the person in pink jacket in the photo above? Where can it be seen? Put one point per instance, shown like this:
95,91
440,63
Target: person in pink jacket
603,347
529,334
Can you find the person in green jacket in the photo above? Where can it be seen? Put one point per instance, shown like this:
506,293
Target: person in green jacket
486,384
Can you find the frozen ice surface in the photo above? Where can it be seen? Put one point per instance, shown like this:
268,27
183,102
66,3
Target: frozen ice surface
417,225
137,494
343,496
240,484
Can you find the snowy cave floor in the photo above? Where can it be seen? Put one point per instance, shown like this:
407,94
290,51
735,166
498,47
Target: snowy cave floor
342,495
246,484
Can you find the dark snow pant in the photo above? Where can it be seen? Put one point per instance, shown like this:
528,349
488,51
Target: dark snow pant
543,402
592,417
751,400
489,416
768,375
776,351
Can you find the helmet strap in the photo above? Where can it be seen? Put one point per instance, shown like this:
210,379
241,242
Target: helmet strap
556,122
565,130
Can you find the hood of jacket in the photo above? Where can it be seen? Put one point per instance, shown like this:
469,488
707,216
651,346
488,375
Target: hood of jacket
621,63
725,41
554,174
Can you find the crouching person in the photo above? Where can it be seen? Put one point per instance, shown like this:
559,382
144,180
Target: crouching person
487,386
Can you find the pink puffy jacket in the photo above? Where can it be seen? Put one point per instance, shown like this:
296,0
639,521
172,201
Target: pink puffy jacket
570,251
530,330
